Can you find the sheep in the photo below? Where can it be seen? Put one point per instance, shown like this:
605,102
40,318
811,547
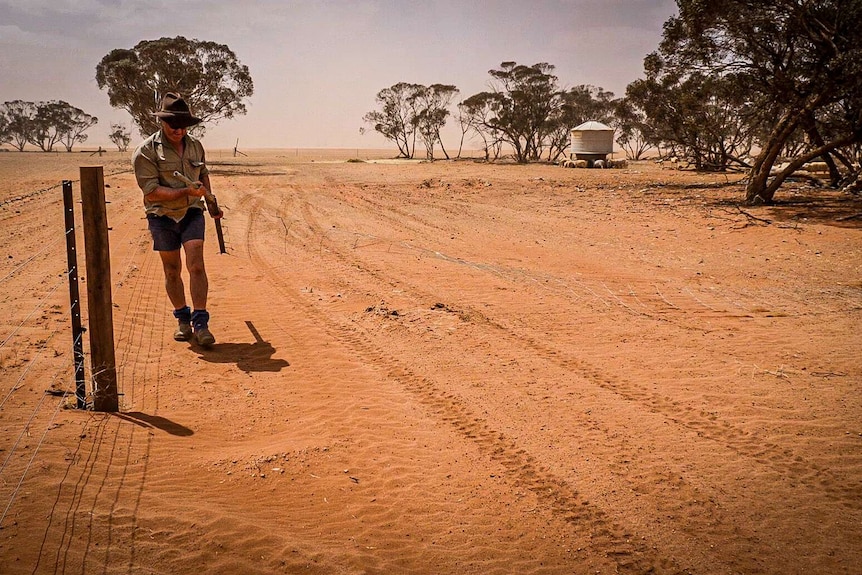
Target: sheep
580,163
777,168
599,164
673,160
816,167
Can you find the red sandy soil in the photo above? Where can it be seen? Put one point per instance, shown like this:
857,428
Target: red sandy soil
447,368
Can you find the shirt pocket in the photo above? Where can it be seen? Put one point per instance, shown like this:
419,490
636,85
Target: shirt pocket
166,174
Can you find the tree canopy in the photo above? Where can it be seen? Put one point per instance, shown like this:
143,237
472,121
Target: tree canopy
5,135
790,69
208,75
704,119
431,104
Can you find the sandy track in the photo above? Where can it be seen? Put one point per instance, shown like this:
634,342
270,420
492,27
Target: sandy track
451,368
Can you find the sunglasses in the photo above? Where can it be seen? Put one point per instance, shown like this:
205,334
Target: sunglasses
175,124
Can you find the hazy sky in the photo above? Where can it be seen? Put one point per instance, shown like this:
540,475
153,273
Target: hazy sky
317,65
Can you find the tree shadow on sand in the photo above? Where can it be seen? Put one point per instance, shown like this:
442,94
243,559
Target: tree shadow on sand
248,357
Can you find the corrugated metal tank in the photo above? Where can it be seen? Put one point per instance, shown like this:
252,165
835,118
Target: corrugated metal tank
592,140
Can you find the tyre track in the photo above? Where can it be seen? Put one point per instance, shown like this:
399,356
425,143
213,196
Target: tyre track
786,462
558,495
689,310
706,518
343,263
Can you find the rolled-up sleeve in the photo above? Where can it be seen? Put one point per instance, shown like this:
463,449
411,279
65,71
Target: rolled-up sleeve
146,171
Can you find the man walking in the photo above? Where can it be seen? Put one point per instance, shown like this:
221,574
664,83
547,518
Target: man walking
175,212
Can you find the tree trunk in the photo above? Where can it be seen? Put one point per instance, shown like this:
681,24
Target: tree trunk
755,192
815,138
772,187
442,147
460,145
758,191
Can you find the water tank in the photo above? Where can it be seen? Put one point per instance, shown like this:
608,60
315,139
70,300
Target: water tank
592,141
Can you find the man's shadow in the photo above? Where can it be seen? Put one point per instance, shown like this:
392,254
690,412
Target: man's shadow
248,357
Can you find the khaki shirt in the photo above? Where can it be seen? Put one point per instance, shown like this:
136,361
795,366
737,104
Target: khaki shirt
155,163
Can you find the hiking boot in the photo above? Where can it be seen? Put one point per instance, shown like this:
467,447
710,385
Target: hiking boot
184,327
204,337
200,321
184,331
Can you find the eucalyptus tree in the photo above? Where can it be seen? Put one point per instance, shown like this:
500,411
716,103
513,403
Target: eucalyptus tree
408,112
521,103
75,124
477,113
632,129
431,106
208,75
20,123
5,135
44,124
396,118
702,119
120,136
799,62
50,123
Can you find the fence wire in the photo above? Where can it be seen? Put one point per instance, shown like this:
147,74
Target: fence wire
40,419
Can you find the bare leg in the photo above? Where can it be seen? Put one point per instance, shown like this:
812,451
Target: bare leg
198,282
198,285
173,266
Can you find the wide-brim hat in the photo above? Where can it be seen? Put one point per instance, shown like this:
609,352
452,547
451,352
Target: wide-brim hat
175,111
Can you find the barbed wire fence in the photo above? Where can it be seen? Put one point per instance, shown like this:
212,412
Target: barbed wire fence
33,350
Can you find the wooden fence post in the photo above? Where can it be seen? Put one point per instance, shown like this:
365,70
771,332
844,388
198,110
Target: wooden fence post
74,297
102,362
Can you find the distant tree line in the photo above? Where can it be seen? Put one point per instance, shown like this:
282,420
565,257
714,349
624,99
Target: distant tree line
733,85
43,124
526,110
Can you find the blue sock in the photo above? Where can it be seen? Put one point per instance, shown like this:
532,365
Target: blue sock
200,318
184,314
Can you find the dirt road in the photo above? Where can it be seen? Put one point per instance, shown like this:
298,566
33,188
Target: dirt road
444,368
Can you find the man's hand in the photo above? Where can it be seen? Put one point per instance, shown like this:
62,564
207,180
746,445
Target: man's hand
196,190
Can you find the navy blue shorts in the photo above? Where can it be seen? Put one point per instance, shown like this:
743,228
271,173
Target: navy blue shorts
169,235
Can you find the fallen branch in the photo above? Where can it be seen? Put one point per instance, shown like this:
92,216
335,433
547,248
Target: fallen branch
753,218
